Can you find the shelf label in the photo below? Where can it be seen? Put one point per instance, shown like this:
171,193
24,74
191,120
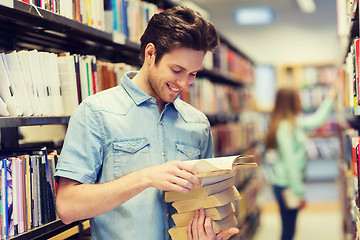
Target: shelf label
7,3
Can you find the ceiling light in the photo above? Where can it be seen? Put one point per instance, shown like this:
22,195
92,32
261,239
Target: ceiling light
254,16
307,6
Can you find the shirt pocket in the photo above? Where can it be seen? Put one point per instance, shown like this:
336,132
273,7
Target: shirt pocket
186,151
130,154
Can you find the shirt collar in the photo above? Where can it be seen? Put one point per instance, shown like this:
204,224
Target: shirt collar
135,92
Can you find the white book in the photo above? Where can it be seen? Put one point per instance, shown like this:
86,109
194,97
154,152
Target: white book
13,105
67,8
19,82
6,92
55,85
46,78
29,82
3,110
67,74
35,71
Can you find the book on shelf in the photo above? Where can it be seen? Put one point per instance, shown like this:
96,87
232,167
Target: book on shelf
30,82
16,77
7,92
68,80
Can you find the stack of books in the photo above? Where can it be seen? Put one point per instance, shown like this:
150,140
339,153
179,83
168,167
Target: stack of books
215,195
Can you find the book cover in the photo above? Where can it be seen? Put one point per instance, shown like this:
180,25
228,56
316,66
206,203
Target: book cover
15,197
68,82
30,82
35,70
7,89
34,191
17,79
10,219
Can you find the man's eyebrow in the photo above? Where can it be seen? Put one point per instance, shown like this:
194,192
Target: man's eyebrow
186,69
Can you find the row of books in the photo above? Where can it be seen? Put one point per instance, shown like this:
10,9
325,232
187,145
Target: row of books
127,20
311,98
349,180
230,63
320,148
27,190
37,83
126,17
319,75
351,75
50,5
214,98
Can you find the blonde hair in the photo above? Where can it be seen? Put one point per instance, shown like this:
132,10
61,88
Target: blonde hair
287,106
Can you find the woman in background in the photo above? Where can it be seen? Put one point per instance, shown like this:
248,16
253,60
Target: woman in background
287,135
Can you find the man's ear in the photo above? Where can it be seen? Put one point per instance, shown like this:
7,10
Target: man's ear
150,53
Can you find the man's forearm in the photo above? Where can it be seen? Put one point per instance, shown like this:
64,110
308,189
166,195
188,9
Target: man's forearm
77,201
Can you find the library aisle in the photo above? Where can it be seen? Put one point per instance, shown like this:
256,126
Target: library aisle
320,219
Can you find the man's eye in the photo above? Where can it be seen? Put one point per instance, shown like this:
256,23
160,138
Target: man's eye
176,71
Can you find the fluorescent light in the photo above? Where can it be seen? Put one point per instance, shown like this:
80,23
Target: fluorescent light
254,16
307,6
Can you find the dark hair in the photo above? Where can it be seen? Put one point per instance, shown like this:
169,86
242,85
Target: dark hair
178,27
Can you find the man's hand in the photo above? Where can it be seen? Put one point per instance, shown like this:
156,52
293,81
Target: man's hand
172,176
200,228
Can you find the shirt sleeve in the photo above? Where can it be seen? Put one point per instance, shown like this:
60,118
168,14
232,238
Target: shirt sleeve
286,147
81,155
316,119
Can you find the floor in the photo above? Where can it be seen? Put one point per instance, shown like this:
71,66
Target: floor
320,219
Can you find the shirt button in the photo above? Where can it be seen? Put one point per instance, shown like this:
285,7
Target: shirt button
160,122
163,153
132,147
152,100
190,153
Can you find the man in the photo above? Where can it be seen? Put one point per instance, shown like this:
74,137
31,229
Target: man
116,158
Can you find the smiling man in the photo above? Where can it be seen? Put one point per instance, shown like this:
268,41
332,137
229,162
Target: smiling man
125,145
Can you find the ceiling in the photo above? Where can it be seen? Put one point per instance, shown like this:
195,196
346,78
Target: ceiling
293,38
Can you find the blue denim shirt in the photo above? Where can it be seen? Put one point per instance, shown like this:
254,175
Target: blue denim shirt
119,131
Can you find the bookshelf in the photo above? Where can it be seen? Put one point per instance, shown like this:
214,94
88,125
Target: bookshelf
27,27
348,31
